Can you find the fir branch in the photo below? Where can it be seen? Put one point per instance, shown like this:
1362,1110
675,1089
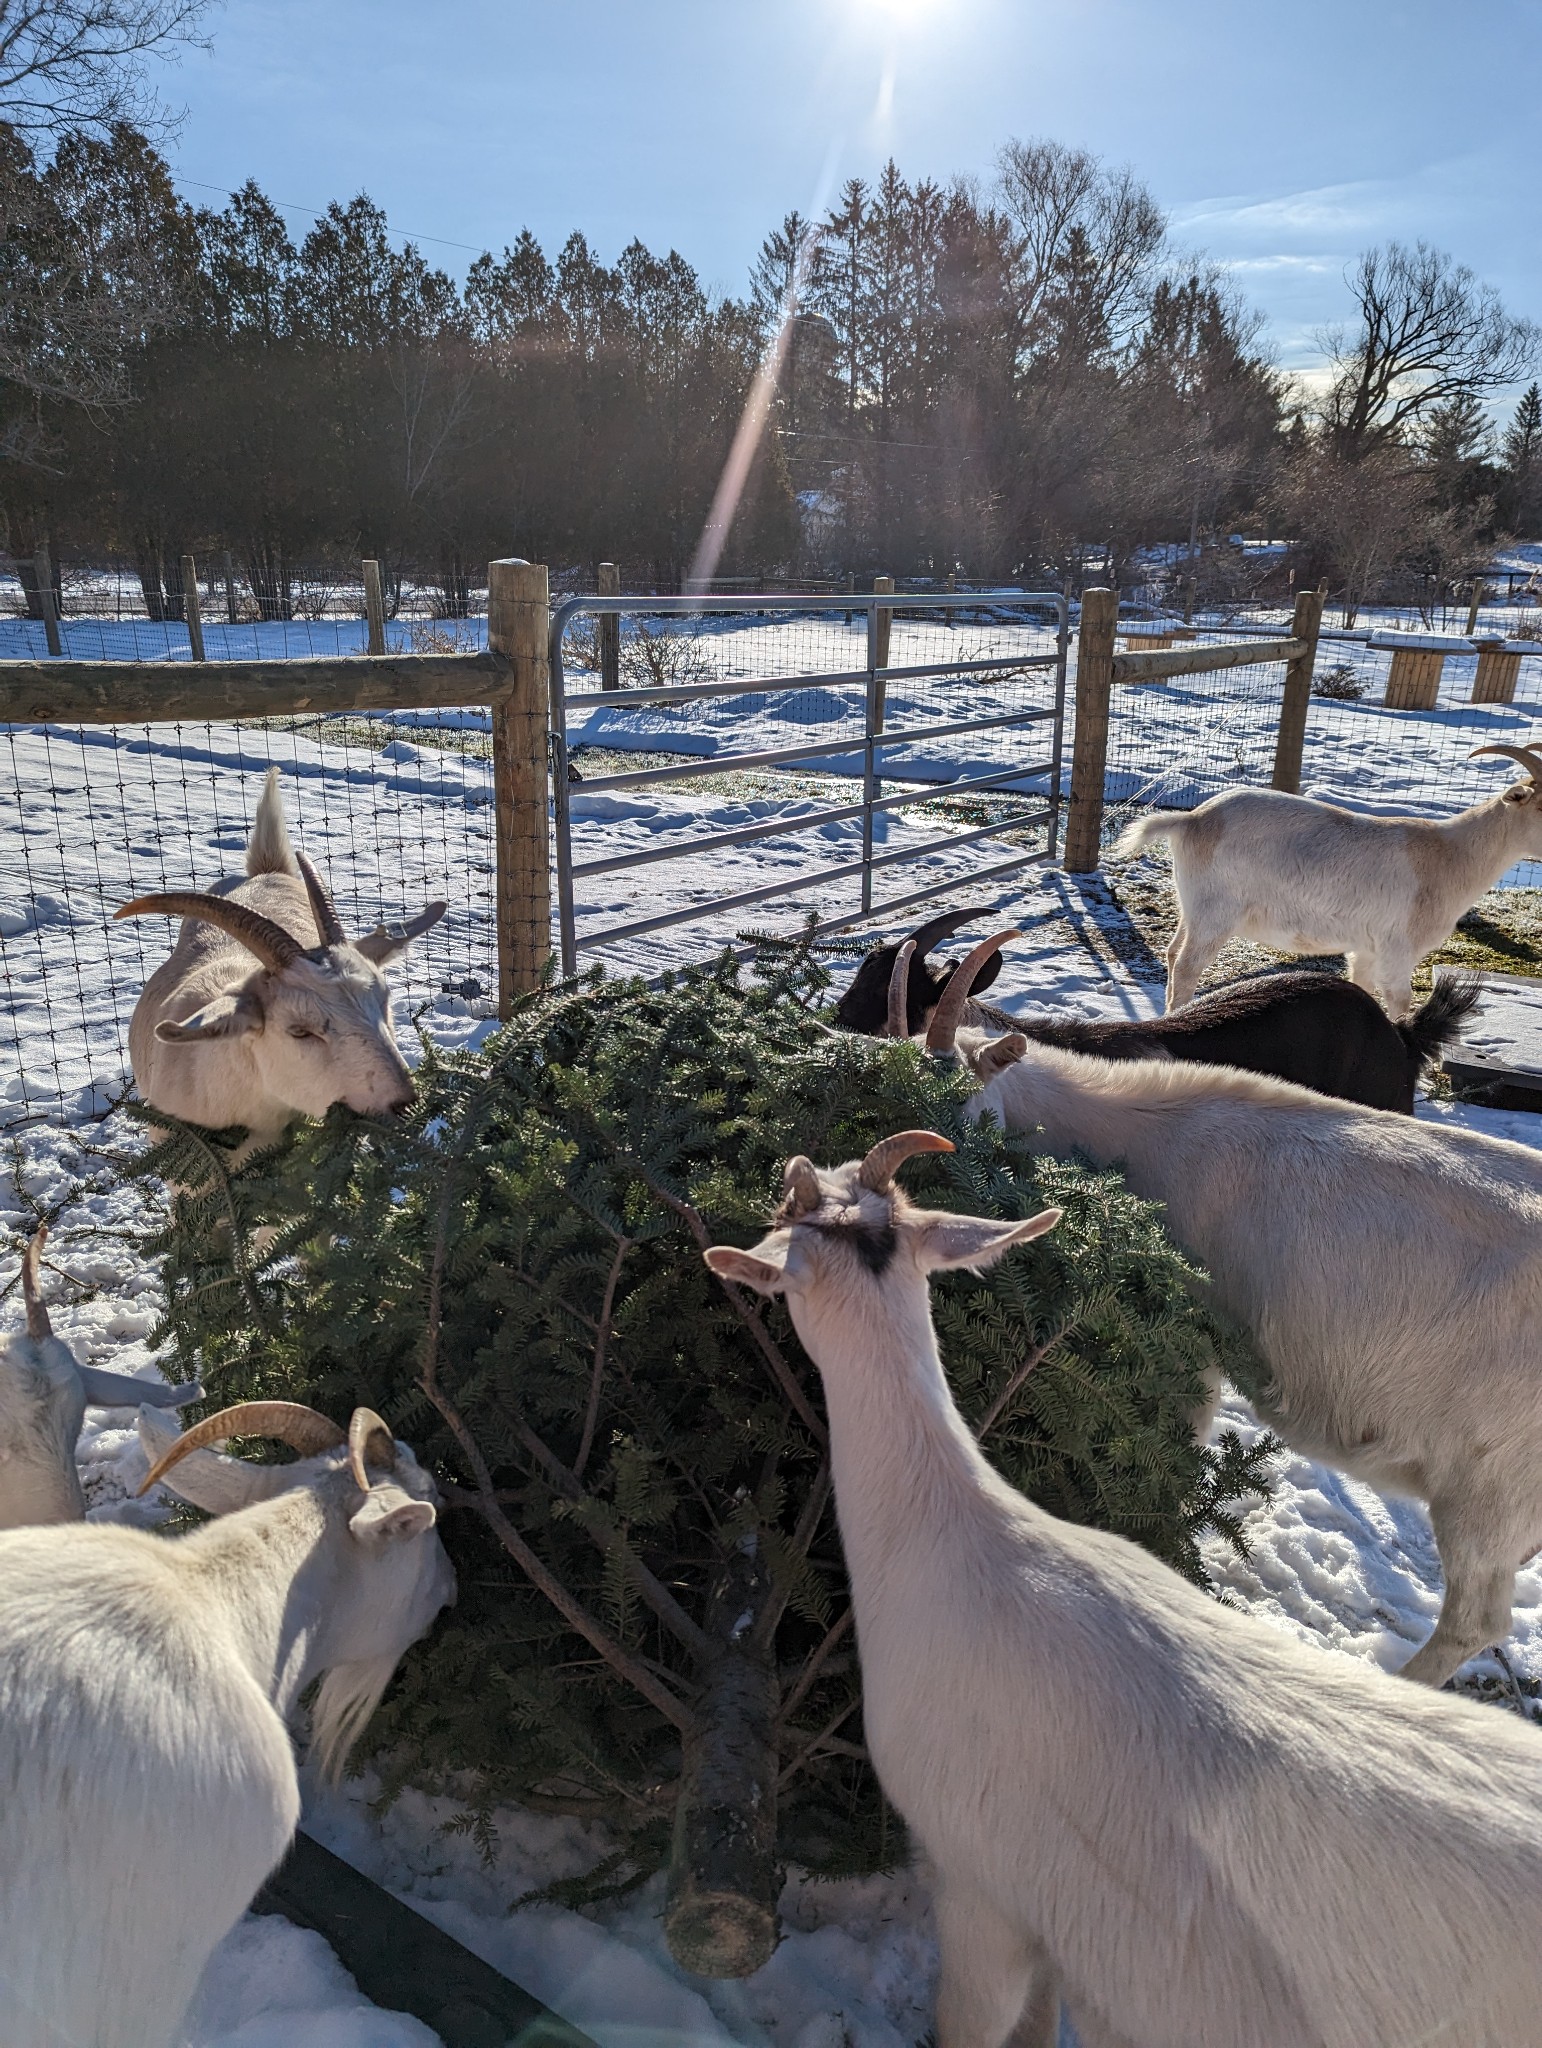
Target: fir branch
601,1344
747,1313
823,1740
578,1618
1003,1400
833,1637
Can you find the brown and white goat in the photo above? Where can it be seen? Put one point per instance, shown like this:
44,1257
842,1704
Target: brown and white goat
1309,877
217,1041
1389,1272
1197,1832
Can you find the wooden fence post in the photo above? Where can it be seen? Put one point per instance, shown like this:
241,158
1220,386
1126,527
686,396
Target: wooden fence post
230,589
374,608
1478,586
1305,624
883,586
192,611
1094,680
43,568
518,620
610,630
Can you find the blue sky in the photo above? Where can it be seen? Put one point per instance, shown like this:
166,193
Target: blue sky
1281,140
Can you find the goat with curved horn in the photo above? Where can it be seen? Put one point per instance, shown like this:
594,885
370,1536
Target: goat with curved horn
899,992
949,1012
1529,757
217,1039
304,1429
328,924
877,1171
370,1442
273,946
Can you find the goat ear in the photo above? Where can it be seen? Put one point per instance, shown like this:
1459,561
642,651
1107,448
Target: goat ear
391,1516
236,1014
763,1270
387,941
975,1242
998,1054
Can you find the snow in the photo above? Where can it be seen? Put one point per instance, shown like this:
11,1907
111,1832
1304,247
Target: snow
394,820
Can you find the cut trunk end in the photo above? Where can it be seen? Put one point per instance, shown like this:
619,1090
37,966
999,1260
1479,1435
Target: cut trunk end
720,1916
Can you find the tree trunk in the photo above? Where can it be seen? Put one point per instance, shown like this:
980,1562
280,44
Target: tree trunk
720,1915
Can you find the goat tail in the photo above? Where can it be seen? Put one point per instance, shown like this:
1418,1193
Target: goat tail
1439,1019
268,851
1155,825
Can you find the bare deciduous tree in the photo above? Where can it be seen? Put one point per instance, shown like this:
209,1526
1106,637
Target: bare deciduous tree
1429,332
82,64
1061,199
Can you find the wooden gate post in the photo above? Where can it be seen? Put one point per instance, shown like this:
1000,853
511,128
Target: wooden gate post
610,629
518,620
374,608
1094,680
1305,624
192,611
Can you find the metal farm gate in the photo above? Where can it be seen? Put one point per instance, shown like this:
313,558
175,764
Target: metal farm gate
942,733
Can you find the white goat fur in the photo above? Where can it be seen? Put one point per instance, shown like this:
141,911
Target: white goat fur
1198,1831
44,1394
1308,877
217,1040
1390,1274
145,1685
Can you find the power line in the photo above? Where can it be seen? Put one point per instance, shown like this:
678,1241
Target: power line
292,206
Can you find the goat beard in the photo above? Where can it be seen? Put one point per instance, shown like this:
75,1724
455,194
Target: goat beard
346,1698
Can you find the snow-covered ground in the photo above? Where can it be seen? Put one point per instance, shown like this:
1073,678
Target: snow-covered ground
394,820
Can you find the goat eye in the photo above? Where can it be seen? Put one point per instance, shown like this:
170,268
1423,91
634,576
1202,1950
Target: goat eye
300,1031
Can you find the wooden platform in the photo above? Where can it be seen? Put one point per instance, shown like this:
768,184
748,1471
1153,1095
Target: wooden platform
405,1963
1510,1078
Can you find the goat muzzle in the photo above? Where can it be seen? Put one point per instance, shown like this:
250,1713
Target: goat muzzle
304,1429
877,1171
949,1013
38,1325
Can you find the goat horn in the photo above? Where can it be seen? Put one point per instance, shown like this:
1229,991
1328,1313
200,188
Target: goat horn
289,1422
927,935
800,1186
1528,757
328,923
949,1012
274,947
878,1169
365,1431
899,991
38,1324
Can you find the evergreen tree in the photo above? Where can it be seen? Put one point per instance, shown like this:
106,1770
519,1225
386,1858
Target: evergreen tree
512,1276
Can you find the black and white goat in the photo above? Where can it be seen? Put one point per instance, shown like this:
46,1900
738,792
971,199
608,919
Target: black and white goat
1302,1025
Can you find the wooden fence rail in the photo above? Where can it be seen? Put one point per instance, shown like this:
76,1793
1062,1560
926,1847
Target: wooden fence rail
510,678
1099,669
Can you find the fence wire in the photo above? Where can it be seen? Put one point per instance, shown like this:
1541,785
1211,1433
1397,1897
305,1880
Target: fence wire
1173,744
394,816
693,850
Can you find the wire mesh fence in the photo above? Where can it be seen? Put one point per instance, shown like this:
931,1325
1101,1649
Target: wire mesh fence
1173,744
395,811
753,768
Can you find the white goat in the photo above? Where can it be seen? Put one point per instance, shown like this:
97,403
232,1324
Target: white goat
44,1395
214,1041
1201,1833
1389,1273
145,1684
1308,877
